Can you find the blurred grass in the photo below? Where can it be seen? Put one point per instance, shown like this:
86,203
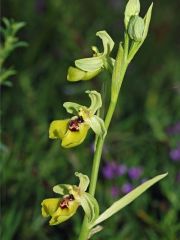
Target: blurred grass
57,33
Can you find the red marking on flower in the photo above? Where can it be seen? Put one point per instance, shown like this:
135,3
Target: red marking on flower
65,201
74,124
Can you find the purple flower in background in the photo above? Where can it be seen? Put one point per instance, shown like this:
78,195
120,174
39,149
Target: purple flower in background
121,169
114,191
135,172
109,170
112,170
126,188
175,154
174,129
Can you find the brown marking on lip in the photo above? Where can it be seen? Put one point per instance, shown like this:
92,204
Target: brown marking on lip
74,124
65,201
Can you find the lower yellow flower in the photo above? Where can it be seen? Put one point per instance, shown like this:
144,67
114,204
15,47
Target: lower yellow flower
59,209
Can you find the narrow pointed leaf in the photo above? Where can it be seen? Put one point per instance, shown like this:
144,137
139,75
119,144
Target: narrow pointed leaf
95,230
127,199
147,20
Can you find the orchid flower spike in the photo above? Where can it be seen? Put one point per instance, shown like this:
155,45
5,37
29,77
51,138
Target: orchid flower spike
87,68
61,209
73,131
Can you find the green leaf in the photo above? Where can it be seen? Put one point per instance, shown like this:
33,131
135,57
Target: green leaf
90,206
71,107
96,101
62,189
84,181
147,20
95,230
97,125
5,74
90,64
108,43
16,26
127,199
132,9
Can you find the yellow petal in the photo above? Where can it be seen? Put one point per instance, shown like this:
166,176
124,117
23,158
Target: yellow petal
90,75
61,215
72,139
58,128
75,74
49,206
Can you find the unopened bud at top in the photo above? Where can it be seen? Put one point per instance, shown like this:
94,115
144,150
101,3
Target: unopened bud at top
132,9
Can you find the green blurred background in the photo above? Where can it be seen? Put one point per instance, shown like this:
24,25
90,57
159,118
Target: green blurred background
145,132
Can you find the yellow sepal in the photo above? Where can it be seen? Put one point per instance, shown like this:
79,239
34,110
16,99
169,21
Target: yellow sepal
49,206
58,128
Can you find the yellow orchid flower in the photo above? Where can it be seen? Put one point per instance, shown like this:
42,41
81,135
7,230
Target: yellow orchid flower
88,68
73,131
58,209
61,209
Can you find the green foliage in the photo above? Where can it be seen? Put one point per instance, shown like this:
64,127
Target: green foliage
57,32
10,43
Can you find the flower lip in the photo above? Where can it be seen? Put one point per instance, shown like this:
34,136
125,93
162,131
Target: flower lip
74,124
64,203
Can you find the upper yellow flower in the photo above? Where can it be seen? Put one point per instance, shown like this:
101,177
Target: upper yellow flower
87,68
61,209
73,131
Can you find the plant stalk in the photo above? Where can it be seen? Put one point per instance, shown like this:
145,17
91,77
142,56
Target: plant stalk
100,142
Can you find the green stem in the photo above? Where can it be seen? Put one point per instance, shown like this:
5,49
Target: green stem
100,142
95,169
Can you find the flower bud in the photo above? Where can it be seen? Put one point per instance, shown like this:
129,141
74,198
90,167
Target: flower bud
136,28
132,9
